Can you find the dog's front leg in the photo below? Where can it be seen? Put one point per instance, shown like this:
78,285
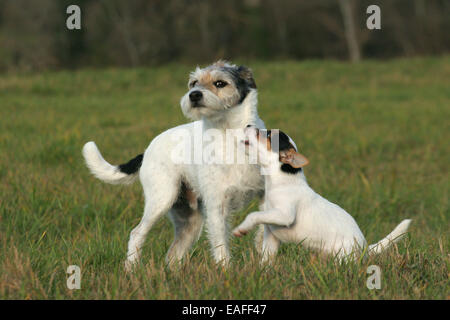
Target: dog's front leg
271,216
217,232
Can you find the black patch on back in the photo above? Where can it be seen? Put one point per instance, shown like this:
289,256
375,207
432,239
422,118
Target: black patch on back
132,166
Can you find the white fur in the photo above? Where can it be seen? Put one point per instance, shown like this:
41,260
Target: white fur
295,213
102,169
221,188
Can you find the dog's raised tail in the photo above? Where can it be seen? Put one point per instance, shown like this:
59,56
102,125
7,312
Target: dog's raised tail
397,234
122,174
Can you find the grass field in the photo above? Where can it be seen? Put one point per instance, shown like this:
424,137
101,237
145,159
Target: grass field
376,133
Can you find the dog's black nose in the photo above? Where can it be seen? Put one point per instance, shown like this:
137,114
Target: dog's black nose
249,125
195,96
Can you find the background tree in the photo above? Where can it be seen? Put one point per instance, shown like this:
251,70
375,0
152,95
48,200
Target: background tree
144,33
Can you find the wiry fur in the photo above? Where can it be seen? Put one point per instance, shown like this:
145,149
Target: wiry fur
194,194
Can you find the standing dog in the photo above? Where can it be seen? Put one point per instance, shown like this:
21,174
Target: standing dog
221,96
295,213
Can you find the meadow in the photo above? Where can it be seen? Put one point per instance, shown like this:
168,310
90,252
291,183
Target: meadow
376,133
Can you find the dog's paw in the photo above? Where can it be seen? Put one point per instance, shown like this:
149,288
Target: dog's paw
239,232
129,266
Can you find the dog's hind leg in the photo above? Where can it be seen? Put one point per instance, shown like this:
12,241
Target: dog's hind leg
158,201
188,222
188,227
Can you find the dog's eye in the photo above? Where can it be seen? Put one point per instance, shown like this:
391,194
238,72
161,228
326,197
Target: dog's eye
220,83
193,83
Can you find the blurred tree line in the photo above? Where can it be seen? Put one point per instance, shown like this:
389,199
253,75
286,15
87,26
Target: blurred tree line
33,34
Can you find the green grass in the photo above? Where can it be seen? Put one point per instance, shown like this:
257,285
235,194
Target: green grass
376,134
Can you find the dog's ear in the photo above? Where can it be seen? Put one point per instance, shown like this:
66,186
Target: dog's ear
247,74
293,158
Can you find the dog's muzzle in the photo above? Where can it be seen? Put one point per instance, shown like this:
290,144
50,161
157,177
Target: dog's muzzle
195,97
